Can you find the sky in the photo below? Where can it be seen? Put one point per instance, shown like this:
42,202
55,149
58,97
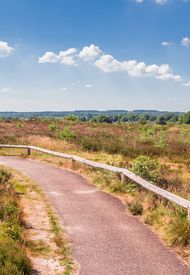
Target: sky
62,55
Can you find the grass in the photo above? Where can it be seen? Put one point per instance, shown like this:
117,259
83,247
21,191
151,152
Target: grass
179,232
61,242
38,247
13,259
136,208
13,256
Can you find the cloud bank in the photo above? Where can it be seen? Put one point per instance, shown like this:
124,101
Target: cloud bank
65,57
108,64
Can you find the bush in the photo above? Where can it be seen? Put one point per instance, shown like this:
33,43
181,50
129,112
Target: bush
52,126
19,124
186,118
89,144
161,142
71,118
146,168
136,208
5,176
13,259
66,134
161,120
179,232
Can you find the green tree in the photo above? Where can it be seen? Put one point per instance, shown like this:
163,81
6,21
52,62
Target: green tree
161,120
186,118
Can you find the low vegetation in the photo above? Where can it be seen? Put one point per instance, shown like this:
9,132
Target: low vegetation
13,257
158,151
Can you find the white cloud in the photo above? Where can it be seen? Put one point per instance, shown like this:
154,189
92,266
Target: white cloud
5,49
88,86
169,76
49,57
167,43
139,1
187,84
65,57
109,64
134,68
68,57
7,90
185,41
90,53
161,2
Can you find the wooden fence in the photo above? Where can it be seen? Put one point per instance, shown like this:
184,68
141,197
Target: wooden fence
123,171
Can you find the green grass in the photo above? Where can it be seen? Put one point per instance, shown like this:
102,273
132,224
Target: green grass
61,242
38,247
13,257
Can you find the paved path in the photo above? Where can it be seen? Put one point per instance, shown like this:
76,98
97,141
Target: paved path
106,239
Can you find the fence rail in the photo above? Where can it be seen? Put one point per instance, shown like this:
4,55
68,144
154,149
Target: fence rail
123,171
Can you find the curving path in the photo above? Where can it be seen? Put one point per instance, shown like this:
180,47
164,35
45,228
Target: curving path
105,238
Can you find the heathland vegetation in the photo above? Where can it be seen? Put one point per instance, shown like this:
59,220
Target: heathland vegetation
31,238
157,150
13,256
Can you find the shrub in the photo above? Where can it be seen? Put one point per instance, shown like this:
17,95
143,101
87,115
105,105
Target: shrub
186,118
146,168
179,232
71,118
118,186
90,144
13,259
66,134
5,176
52,126
136,208
19,124
161,142
161,120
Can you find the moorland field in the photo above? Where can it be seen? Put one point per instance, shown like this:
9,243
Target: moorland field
158,151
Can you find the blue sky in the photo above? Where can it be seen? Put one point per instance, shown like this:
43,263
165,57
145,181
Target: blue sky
94,54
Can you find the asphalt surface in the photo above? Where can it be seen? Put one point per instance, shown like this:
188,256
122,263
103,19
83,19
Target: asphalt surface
105,238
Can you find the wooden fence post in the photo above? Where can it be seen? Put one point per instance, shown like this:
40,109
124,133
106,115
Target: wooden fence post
28,151
188,214
123,178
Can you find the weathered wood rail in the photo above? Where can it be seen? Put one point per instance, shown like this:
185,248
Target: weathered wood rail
123,171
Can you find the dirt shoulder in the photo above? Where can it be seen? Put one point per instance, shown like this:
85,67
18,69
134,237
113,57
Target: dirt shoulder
47,245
